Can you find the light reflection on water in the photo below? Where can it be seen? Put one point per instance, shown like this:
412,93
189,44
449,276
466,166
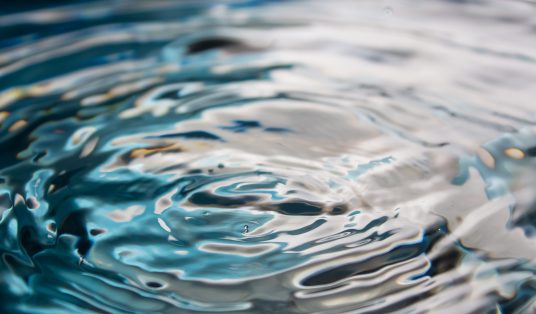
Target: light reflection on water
268,157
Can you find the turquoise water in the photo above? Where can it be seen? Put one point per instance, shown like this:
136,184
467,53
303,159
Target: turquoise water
268,157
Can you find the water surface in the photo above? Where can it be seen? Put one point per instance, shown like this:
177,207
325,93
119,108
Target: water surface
268,157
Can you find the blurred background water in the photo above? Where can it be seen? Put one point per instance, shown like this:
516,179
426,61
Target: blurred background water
268,156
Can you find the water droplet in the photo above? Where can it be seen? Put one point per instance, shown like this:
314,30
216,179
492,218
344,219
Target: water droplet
387,11
246,229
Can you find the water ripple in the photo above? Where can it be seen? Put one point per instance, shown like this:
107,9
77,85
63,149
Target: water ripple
268,157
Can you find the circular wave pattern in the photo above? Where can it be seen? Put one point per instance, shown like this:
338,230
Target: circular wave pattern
268,157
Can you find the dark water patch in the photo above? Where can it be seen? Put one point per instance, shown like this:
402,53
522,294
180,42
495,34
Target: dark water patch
211,43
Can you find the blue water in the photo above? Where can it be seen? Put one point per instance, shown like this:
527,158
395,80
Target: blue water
268,157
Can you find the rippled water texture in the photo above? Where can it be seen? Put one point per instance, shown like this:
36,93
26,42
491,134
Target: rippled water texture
268,157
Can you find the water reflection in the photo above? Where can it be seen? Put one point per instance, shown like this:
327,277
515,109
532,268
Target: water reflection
268,157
